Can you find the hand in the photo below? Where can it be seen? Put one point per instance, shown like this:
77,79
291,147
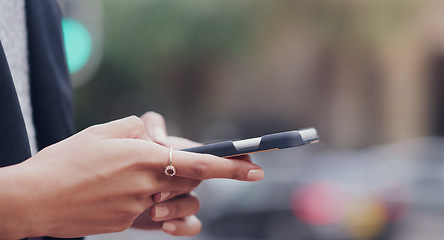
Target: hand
180,205
100,180
174,216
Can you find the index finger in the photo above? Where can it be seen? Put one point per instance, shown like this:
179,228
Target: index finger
205,166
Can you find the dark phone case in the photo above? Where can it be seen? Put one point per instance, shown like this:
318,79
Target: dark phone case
267,143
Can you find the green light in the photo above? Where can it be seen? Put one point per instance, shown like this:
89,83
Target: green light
78,44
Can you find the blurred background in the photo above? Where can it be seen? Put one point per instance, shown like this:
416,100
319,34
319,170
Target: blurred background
367,74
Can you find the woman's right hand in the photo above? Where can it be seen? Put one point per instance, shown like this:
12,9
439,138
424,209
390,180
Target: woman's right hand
100,180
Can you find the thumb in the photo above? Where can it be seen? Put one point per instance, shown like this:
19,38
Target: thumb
155,127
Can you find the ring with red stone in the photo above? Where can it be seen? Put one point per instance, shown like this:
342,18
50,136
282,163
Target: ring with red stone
170,170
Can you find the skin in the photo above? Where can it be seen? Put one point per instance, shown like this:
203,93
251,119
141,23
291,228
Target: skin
107,178
181,207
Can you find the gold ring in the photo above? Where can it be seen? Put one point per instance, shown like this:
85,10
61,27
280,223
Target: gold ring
170,170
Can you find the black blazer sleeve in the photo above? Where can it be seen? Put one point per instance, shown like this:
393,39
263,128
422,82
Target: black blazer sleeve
51,92
14,145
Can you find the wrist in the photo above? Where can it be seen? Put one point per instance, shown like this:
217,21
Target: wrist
16,212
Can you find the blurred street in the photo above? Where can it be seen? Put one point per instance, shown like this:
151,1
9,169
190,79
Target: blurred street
367,74
383,192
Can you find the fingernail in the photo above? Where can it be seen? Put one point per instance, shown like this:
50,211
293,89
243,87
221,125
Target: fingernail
159,135
164,195
255,175
169,227
160,211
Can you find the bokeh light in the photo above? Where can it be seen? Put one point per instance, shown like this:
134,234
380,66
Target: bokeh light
78,44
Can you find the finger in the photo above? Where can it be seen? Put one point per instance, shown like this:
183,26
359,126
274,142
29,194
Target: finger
194,166
188,226
205,166
178,207
144,221
155,127
129,127
180,143
174,185
163,196
243,158
151,159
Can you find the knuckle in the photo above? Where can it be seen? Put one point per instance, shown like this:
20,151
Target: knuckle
144,190
135,123
200,168
95,129
121,227
143,185
235,170
134,210
148,190
122,223
197,203
154,115
193,183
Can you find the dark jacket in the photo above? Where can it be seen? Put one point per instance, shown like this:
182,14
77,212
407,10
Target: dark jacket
51,92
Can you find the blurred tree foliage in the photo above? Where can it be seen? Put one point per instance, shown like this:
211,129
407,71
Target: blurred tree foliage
155,53
171,56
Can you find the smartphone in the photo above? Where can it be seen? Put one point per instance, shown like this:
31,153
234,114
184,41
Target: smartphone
260,144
